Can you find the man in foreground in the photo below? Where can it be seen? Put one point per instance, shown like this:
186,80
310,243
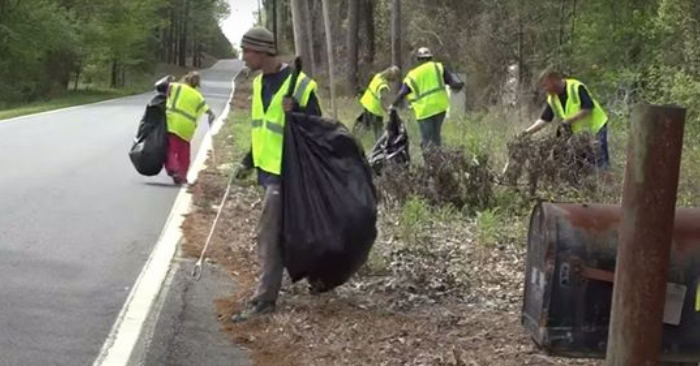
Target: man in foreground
269,105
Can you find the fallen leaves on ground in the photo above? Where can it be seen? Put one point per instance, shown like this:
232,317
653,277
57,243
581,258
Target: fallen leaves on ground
437,298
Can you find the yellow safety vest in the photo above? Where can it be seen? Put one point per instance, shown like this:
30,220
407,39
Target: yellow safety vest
371,100
593,123
267,132
184,106
428,89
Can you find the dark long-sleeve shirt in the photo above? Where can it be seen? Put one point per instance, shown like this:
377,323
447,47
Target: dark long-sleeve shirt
584,96
271,83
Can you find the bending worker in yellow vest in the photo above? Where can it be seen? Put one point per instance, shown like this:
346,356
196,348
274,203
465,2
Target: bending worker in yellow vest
426,84
374,100
570,101
269,104
184,106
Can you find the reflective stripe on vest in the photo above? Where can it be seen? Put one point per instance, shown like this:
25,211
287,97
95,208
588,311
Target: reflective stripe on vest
184,106
593,123
270,125
267,126
428,89
371,99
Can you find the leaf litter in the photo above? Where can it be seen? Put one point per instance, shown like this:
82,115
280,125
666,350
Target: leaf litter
431,296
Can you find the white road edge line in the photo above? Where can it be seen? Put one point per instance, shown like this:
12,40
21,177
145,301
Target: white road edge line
117,349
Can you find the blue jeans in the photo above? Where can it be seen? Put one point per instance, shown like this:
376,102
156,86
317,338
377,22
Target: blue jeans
602,156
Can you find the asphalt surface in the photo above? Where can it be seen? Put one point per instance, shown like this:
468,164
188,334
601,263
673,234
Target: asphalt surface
77,224
182,329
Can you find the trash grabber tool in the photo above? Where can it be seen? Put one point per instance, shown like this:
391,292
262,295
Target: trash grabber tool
197,270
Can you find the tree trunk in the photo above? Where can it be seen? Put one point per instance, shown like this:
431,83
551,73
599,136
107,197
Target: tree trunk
182,57
368,22
562,22
329,51
274,24
300,46
308,33
317,34
195,61
352,35
115,73
78,72
396,58
573,22
170,39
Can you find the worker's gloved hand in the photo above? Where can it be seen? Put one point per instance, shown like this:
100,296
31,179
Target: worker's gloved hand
457,87
290,105
212,118
241,171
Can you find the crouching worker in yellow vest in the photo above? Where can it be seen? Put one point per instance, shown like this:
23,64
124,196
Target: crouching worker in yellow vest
184,106
429,100
269,104
570,101
375,100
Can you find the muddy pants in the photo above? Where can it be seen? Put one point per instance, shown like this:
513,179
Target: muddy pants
269,246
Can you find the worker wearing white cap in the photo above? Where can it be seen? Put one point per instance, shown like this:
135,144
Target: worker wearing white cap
429,100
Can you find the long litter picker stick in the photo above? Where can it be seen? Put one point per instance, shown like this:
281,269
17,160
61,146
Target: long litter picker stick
197,270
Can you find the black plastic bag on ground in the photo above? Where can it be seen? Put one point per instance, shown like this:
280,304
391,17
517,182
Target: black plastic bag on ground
150,147
392,147
330,202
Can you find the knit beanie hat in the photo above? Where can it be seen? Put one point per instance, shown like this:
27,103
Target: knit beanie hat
259,39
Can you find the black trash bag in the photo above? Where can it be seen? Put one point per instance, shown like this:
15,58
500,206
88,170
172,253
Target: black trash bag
393,147
150,148
330,202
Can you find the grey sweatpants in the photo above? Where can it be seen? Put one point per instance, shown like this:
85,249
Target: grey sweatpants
269,246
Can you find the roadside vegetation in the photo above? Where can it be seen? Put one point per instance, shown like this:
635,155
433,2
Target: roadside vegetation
59,53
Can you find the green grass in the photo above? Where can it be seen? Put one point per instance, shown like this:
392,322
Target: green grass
70,100
86,94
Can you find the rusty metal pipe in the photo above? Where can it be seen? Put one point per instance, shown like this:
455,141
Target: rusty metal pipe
648,209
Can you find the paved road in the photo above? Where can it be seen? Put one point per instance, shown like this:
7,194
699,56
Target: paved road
77,224
183,329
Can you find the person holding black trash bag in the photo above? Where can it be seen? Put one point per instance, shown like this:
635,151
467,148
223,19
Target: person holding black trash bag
184,106
269,105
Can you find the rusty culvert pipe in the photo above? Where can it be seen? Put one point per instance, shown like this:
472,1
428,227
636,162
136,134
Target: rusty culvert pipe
571,254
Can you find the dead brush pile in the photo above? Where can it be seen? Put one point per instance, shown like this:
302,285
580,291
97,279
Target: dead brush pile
450,176
552,164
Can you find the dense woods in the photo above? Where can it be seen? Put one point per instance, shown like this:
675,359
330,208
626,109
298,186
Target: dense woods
50,46
626,50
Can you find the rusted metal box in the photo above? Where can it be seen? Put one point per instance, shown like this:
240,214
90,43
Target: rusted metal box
570,265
